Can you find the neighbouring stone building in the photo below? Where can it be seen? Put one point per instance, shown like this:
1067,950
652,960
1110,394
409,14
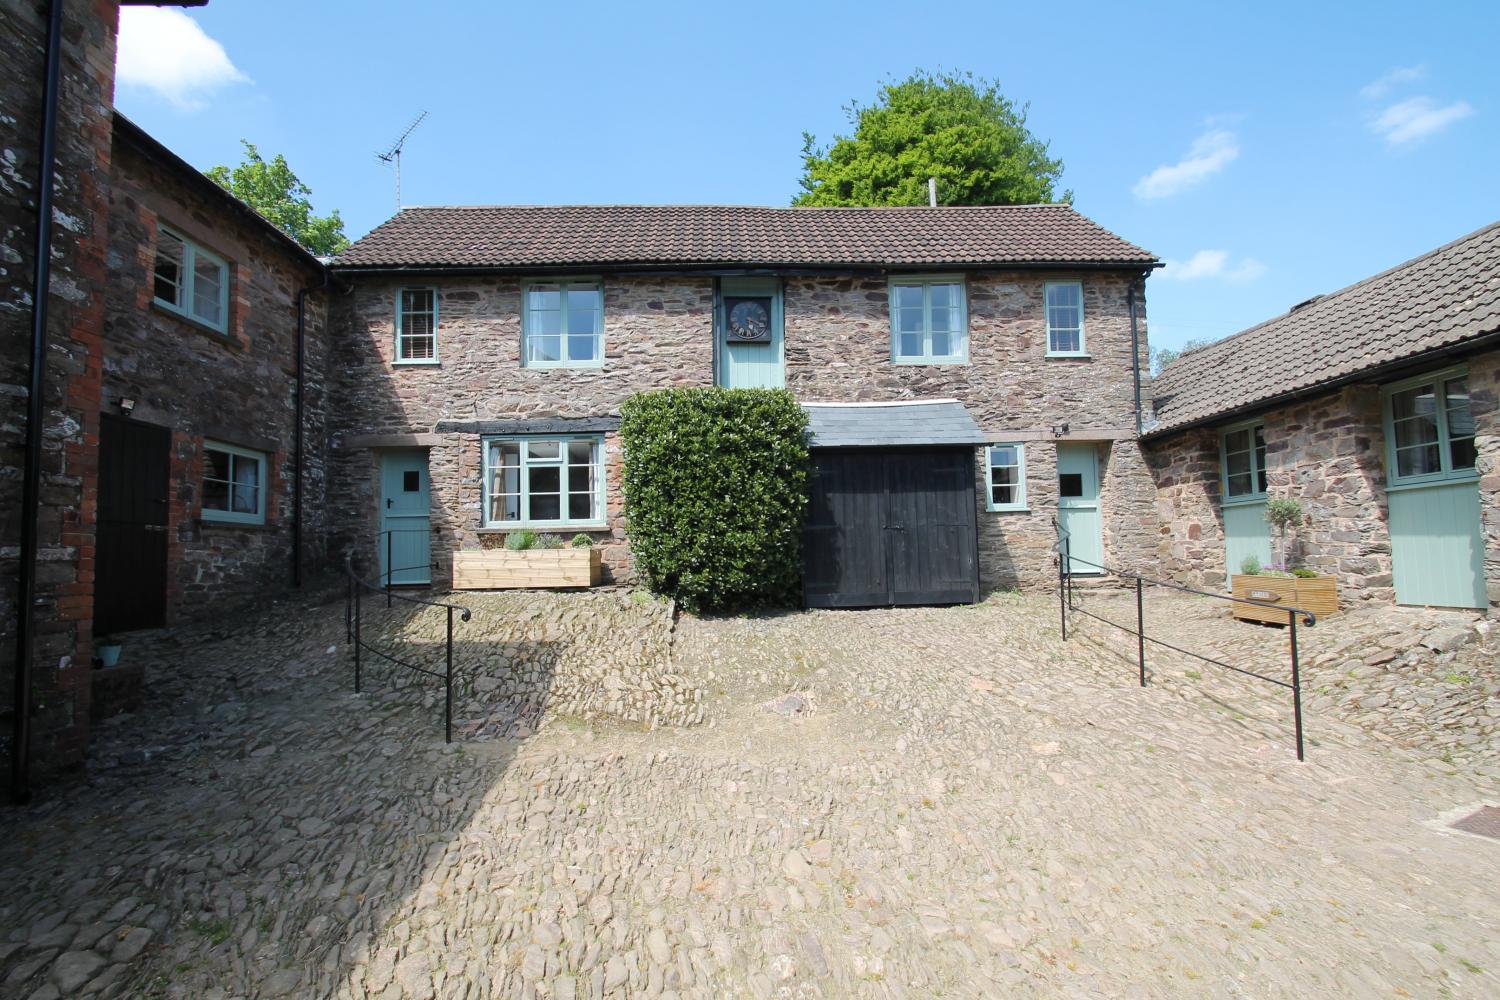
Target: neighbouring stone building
1376,407
472,333
167,461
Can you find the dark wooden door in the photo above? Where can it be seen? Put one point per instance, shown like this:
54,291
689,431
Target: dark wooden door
930,526
891,526
130,555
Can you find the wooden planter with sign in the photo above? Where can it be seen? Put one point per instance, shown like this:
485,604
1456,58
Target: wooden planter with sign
529,569
1318,594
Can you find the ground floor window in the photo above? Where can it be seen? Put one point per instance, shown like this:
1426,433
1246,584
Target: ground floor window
1006,477
544,482
234,484
1430,428
1243,453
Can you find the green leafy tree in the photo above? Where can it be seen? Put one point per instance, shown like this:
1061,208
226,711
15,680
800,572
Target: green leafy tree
955,127
1161,357
275,192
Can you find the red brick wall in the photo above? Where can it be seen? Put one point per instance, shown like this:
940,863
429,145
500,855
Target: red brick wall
74,362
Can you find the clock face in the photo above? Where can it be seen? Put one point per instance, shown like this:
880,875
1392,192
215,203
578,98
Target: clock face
749,320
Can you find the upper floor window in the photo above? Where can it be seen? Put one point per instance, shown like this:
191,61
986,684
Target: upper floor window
416,326
544,482
234,484
1006,476
562,324
1430,428
929,320
1243,455
191,281
1065,319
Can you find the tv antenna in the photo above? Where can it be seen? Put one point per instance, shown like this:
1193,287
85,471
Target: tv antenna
393,153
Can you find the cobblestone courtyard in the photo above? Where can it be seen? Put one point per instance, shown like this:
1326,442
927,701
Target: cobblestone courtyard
954,804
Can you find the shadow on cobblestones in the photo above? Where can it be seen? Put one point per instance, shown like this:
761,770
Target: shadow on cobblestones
257,824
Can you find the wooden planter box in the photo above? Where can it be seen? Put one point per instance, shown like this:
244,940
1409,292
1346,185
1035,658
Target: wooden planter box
1319,594
529,569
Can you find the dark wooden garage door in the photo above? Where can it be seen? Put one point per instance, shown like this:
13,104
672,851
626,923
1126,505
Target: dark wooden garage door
130,572
891,526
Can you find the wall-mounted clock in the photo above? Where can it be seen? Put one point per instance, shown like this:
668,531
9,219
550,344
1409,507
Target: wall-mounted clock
748,319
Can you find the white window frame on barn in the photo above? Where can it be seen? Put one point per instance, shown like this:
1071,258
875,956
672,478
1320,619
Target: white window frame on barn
190,293
509,464
912,314
237,487
1053,309
537,324
1002,450
413,326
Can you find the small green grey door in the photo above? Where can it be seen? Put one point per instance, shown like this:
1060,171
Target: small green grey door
748,321
405,518
1437,546
1078,507
1242,484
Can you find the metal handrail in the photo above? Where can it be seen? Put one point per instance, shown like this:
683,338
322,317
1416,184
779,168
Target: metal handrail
1065,561
354,635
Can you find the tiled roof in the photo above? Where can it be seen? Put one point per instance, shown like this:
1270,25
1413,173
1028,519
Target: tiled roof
1438,300
862,425
523,236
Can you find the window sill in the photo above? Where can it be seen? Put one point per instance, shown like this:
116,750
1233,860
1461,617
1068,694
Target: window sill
1074,355
225,522
215,333
1007,510
929,361
418,363
553,366
1426,484
544,527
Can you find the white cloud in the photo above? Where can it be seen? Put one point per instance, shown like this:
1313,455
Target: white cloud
164,50
1377,89
1417,118
1211,152
1213,264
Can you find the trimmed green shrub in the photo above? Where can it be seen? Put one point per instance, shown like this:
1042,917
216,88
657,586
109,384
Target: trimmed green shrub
520,541
1250,565
582,541
715,484
549,542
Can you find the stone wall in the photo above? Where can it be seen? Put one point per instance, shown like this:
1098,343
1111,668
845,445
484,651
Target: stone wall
237,388
659,332
75,320
1329,453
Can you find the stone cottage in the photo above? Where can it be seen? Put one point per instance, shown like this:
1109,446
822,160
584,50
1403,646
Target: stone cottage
969,371
1377,407
179,426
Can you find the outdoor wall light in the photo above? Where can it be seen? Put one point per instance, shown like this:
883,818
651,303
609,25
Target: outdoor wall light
1060,430
126,405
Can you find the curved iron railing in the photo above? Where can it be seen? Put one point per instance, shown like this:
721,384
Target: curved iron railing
1067,603
353,624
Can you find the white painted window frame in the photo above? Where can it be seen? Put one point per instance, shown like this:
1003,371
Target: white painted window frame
236,454
1019,503
1083,343
597,523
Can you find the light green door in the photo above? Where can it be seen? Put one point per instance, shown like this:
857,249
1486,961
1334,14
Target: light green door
1437,548
1078,507
405,518
748,322
1246,534
1437,551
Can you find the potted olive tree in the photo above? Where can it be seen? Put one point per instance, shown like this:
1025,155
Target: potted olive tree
1278,584
529,562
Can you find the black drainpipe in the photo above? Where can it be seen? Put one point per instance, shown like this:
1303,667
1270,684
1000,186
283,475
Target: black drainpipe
1135,354
20,747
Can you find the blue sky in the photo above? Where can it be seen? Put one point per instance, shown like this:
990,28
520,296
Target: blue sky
1271,156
